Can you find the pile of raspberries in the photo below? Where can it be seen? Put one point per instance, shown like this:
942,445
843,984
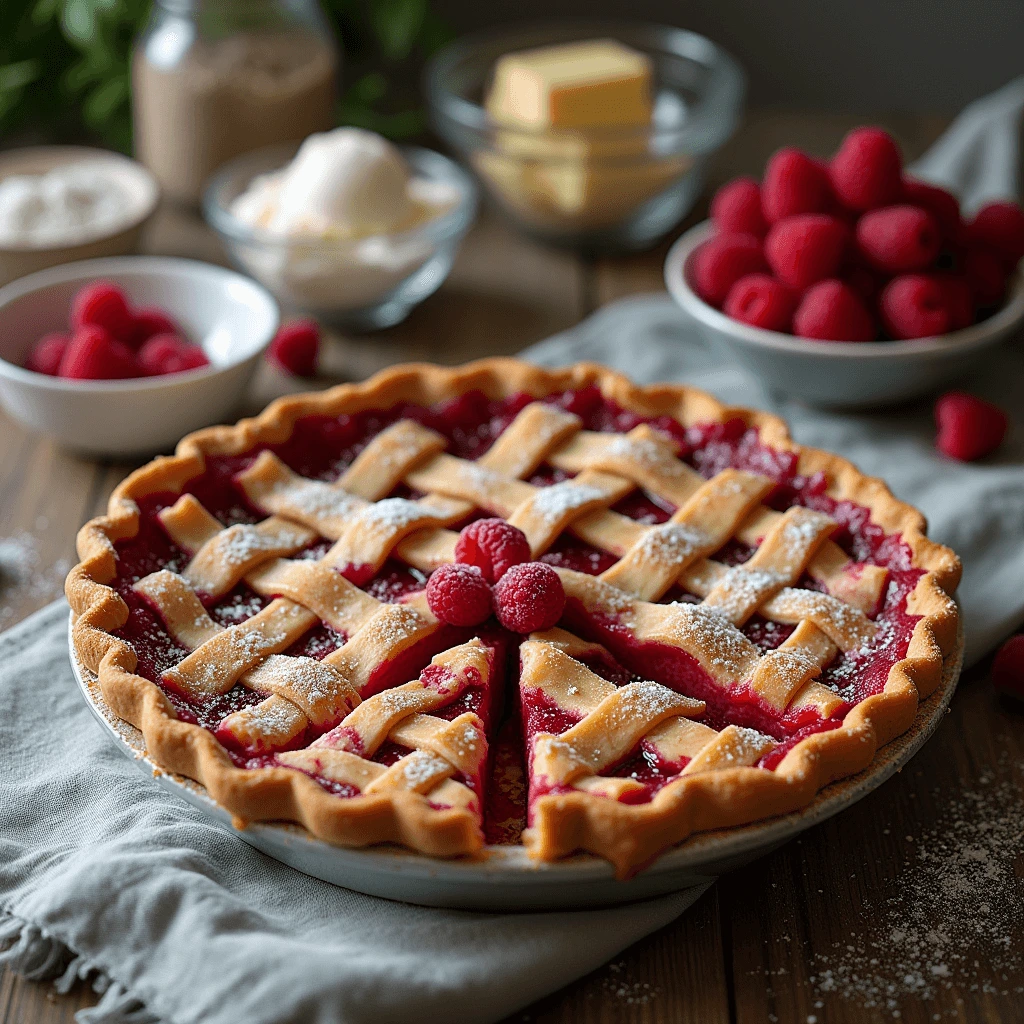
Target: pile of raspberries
852,249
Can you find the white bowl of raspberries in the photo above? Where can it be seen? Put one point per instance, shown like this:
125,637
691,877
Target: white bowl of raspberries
123,356
849,283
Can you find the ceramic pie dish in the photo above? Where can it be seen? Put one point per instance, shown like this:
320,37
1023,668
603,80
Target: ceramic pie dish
746,620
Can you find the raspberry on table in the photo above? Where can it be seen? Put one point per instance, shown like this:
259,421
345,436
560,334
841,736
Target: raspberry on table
985,274
717,264
762,301
168,353
104,305
832,311
493,546
737,207
806,248
529,597
865,172
969,427
1008,668
1000,227
914,306
47,353
942,205
899,239
794,184
295,348
459,595
94,354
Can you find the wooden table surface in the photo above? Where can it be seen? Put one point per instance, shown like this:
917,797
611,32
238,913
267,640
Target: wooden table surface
803,936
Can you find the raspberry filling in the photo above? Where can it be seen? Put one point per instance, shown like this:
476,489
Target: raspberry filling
321,448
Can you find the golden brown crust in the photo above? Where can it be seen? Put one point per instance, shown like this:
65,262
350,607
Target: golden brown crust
629,835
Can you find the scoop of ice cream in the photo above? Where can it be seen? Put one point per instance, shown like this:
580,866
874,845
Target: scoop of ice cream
348,181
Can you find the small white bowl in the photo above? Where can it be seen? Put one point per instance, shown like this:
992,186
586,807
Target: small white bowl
232,317
132,178
840,374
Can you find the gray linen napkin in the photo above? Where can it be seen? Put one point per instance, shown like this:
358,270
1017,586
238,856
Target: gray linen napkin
102,873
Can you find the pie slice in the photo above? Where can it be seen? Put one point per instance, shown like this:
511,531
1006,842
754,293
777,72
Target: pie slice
745,619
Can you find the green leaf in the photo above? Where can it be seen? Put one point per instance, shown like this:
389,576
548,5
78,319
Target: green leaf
370,88
79,22
396,24
18,75
104,100
45,11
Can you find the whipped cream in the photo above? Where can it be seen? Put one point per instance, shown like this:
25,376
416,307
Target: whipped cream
69,205
340,210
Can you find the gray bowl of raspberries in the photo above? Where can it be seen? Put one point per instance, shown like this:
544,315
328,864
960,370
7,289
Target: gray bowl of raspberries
848,283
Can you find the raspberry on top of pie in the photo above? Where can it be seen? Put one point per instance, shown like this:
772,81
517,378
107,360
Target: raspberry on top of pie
696,622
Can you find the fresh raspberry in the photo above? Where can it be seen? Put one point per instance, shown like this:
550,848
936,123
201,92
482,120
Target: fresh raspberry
866,283
1008,668
899,239
969,427
914,306
295,348
986,276
102,303
793,184
763,301
1000,226
47,353
148,322
832,311
94,355
959,299
737,207
942,205
493,546
865,172
168,353
806,248
718,263
529,597
459,595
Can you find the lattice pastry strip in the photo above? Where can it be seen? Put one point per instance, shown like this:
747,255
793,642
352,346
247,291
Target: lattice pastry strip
647,457
779,562
718,647
655,715
299,695
702,525
439,748
221,556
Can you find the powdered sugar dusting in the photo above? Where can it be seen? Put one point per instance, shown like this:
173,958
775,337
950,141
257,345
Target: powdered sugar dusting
23,577
672,544
952,919
555,502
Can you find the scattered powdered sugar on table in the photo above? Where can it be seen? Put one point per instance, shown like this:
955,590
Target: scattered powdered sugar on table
24,579
954,914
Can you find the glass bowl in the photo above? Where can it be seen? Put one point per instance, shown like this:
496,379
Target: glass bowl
360,284
611,189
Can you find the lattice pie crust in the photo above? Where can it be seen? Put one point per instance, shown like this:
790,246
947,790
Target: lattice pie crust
428,799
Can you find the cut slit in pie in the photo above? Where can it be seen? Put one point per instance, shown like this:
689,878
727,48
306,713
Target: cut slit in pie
746,620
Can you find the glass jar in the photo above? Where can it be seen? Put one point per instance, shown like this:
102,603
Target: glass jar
212,79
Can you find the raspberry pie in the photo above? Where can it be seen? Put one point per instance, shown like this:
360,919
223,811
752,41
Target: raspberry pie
721,622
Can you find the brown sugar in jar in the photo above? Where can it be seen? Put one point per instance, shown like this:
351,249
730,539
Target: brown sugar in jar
213,79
